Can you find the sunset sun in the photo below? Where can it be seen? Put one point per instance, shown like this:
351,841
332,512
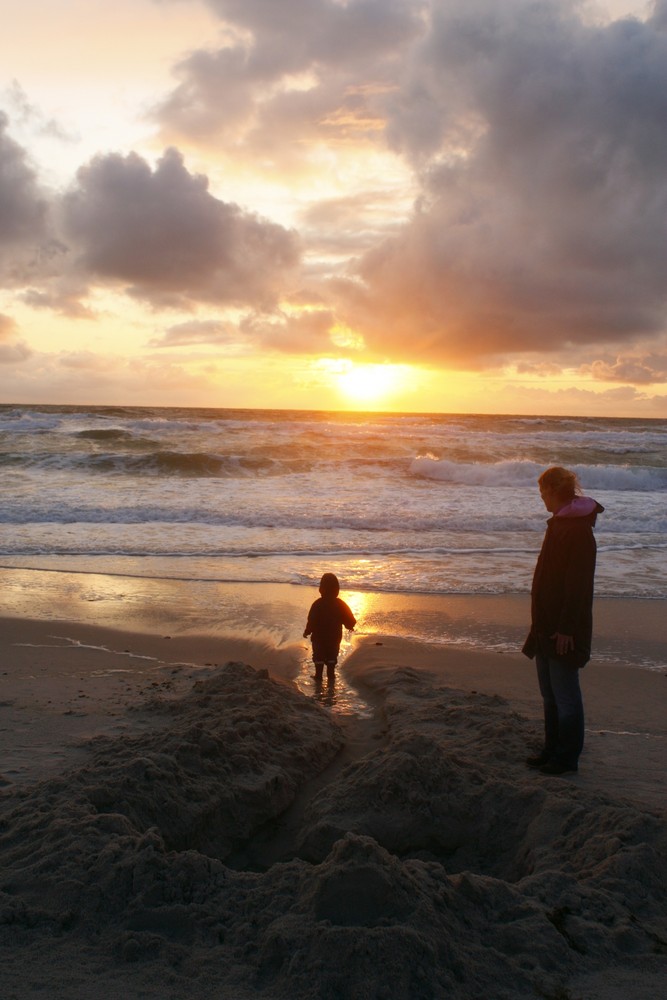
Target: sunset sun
369,385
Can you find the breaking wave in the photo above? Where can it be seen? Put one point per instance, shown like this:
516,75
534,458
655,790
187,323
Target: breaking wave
525,473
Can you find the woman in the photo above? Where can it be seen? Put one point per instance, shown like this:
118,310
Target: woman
562,617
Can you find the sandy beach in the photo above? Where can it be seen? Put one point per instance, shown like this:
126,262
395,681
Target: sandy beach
185,815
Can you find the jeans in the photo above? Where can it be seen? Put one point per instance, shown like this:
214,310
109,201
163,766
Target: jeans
563,710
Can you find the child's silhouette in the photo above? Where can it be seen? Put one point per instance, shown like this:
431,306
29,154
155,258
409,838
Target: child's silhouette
326,618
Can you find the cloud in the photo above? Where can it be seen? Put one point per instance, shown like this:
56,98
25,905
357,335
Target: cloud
623,401
291,70
209,331
86,361
162,236
12,351
7,327
63,296
309,332
12,354
647,369
86,376
22,207
541,369
349,225
28,113
541,146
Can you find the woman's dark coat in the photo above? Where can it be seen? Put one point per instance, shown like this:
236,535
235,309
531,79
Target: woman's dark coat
562,591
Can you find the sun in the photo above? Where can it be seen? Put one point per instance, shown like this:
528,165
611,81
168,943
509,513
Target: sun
370,385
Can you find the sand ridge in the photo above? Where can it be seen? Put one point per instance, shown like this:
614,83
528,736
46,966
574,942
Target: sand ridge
431,864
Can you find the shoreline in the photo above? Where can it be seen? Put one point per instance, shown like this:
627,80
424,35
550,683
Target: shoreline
176,579
627,630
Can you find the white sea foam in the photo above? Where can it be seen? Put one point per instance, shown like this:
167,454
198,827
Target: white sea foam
525,473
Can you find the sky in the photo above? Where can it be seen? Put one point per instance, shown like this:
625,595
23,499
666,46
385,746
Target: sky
412,205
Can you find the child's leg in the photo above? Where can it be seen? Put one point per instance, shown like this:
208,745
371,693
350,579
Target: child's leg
331,669
319,668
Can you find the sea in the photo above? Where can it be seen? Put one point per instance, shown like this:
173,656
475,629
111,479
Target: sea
203,504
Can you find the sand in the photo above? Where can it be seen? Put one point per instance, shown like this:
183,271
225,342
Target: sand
185,816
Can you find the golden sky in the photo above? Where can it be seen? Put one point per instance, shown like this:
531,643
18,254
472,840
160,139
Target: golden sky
420,205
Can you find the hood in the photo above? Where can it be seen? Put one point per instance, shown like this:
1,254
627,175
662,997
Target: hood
580,507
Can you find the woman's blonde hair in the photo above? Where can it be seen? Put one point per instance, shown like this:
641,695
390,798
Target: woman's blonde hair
560,481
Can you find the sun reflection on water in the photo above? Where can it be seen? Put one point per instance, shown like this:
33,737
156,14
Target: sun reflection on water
335,694
338,695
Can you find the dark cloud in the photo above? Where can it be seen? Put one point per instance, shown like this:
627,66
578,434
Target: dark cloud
542,150
162,235
537,136
22,206
214,97
290,35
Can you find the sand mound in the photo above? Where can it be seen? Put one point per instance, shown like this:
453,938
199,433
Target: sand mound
432,867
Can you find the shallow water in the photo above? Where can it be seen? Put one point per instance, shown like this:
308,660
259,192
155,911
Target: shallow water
626,631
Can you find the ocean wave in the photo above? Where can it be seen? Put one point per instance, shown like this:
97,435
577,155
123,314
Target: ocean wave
224,444
213,514
161,463
104,434
141,552
347,463
515,474
91,547
135,460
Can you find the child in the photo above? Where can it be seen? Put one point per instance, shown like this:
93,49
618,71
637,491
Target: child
326,618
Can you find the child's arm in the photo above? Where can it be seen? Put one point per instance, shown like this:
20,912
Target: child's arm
349,621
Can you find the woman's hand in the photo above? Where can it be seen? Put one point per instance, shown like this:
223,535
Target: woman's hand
563,643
